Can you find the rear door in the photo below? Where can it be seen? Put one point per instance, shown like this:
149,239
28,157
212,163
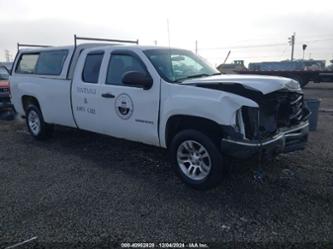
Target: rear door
86,91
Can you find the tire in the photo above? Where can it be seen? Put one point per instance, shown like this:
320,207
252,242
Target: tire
36,125
193,149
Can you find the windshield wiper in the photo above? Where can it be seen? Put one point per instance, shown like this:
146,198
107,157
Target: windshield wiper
193,76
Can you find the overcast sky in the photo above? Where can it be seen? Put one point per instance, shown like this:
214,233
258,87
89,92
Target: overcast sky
253,30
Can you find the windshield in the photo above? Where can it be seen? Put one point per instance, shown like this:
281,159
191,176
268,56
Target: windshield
3,74
176,65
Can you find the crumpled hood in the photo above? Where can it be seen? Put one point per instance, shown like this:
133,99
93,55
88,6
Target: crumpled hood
263,84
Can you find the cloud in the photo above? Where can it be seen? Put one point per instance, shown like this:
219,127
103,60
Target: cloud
213,23
53,32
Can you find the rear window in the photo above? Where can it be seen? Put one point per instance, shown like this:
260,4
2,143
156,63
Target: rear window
92,66
27,63
51,62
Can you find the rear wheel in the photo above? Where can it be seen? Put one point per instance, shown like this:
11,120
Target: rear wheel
196,159
36,125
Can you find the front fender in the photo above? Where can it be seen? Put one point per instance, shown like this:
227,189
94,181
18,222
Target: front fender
218,106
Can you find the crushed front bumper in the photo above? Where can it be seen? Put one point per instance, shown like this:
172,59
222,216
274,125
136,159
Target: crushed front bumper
285,141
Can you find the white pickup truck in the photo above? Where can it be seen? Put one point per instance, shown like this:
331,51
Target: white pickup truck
164,97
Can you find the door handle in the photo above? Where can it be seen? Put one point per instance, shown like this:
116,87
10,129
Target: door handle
108,95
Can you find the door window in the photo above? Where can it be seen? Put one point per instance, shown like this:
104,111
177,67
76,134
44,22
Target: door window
92,67
119,65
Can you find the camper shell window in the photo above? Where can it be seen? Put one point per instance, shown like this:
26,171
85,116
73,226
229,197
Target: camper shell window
42,63
27,63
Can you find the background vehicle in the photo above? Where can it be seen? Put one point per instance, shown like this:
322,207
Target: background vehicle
303,71
163,97
5,103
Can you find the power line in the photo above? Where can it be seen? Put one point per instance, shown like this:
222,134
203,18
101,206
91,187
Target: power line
264,45
246,46
306,37
245,57
316,36
319,40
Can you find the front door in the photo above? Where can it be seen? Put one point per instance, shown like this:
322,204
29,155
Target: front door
128,112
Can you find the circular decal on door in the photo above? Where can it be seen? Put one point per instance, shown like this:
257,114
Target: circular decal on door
124,106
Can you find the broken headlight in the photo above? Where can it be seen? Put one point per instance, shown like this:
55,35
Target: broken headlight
250,117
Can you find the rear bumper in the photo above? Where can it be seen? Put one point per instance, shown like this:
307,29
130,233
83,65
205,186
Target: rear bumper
285,141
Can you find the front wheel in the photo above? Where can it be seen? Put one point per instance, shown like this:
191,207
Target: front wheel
36,125
196,159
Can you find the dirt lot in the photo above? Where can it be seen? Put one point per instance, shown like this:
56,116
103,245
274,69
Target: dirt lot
94,191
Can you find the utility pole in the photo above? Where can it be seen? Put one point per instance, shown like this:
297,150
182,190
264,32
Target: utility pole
196,46
168,30
304,47
292,44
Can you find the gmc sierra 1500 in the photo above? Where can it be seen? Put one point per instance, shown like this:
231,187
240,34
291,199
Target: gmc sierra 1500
160,96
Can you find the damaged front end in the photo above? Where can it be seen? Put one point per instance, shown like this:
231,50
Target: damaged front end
278,125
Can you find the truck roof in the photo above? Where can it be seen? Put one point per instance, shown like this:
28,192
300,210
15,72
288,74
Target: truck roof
75,51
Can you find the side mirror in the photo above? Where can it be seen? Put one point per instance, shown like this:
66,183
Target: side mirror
135,78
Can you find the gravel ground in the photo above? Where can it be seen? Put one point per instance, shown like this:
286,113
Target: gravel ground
91,191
